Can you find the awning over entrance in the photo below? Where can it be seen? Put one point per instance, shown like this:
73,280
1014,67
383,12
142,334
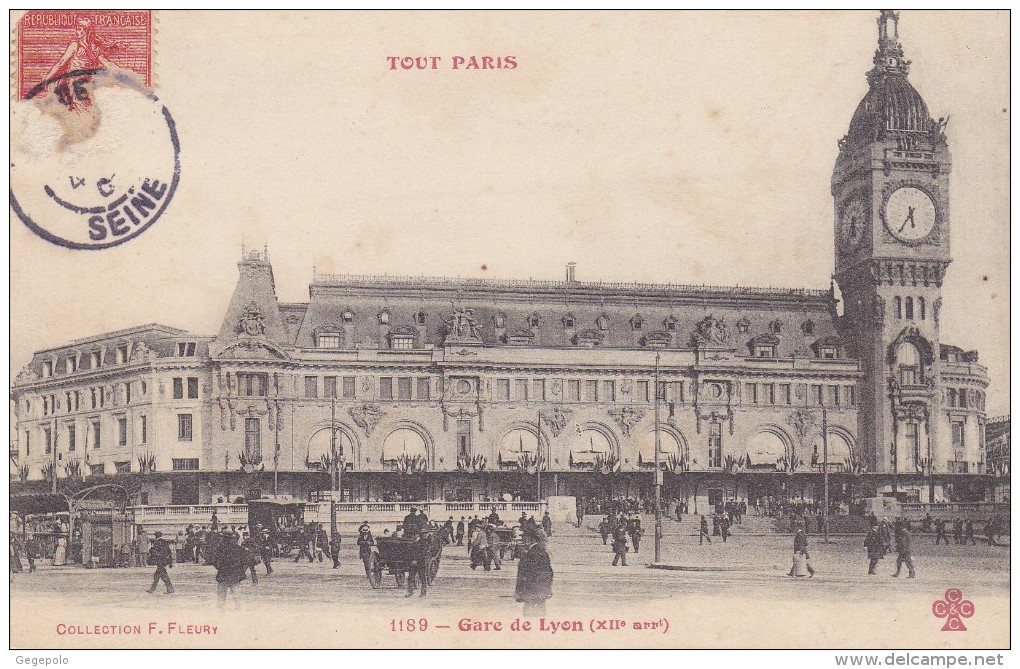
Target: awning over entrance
765,448
25,505
515,444
588,446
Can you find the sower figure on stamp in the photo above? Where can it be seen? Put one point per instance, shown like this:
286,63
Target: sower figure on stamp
534,575
161,556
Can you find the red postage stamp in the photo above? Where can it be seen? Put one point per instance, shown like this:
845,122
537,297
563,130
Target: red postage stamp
53,43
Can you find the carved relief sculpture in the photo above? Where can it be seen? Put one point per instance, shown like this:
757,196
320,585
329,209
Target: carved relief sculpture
252,323
627,418
367,416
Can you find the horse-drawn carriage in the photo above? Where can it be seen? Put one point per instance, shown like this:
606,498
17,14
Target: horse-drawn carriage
413,561
280,516
508,543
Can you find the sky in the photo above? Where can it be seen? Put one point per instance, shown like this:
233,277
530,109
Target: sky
685,147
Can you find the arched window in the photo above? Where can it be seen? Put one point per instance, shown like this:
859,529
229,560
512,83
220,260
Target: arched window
533,321
588,446
920,307
420,318
910,308
765,448
517,443
404,441
908,358
322,441
668,445
899,307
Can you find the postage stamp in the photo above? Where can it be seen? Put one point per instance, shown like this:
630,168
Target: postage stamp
545,330
83,82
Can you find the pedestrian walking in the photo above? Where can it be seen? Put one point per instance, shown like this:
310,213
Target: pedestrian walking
31,551
493,540
307,536
480,553
724,528
460,531
703,535
604,530
160,555
252,552
958,531
903,552
876,547
940,531
991,529
801,558
365,541
635,531
968,532
620,546
547,524
534,575
231,564
334,549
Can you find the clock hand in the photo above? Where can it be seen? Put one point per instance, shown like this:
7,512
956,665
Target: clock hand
908,219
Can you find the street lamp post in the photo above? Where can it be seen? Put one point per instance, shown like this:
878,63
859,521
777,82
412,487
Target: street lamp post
334,465
658,471
825,471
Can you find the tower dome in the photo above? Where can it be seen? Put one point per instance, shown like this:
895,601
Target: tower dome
891,104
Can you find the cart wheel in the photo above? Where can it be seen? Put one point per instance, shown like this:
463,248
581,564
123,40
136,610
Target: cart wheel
400,579
433,569
374,571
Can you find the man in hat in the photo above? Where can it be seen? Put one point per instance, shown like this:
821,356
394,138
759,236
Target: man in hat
334,549
460,531
365,541
534,574
411,523
161,556
547,524
903,552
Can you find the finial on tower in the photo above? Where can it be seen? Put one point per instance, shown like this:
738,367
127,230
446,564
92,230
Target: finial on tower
889,55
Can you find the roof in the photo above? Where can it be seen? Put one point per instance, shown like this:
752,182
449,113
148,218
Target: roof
29,504
891,104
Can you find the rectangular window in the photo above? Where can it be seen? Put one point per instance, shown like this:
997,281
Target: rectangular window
833,396
178,388
764,351
591,391
185,349
402,343
404,388
573,392
93,397
784,393
751,390
28,443
424,389
503,390
677,389
913,443
463,439
349,385
184,427
521,390
386,387
715,445
47,369
97,470
329,387
97,434
97,359
828,352
961,396
816,394
48,439
538,390
192,388
848,396
72,363
769,393
185,464
122,354
328,341
908,375
311,386
143,428
123,467
253,437
122,431
958,435
127,393
642,391
608,391
252,385
71,438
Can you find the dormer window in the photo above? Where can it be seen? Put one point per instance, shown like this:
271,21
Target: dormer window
122,354
185,349
829,348
637,322
763,346
602,322
533,320
764,351
420,318
828,352
807,327
670,324
96,359
499,320
743,326
384,317
776,326
72,363
328,340
47,369
401,343
569,322
348,316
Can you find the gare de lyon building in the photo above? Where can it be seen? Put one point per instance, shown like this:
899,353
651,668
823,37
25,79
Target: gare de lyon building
469,390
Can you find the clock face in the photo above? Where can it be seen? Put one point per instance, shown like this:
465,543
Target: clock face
851,223
909,214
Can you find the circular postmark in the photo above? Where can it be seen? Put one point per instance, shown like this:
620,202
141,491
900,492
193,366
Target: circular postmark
95,159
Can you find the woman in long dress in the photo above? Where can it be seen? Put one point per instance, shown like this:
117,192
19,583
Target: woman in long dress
60,555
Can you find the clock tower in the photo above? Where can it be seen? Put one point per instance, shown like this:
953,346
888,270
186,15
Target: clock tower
890,187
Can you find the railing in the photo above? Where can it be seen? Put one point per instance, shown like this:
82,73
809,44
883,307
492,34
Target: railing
976,510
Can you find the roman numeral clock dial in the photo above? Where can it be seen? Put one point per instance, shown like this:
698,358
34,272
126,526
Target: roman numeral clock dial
909,214
851,224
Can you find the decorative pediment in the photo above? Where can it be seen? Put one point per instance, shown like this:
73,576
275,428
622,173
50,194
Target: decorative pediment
743,325
403,331
250,348
520,337
588,338
829,341
764,339
327,328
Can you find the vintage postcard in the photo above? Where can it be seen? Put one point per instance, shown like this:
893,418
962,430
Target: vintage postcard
421,329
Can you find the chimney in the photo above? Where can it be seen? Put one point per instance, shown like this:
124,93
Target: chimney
571,266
